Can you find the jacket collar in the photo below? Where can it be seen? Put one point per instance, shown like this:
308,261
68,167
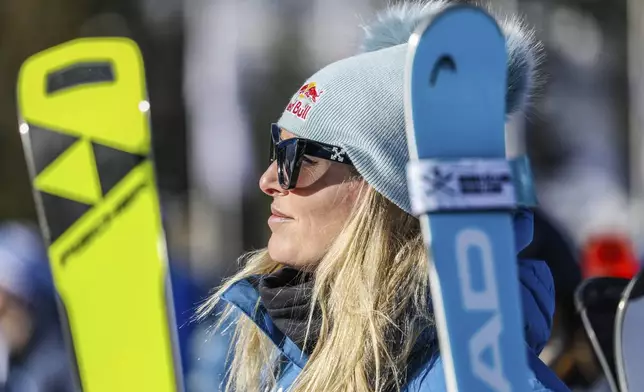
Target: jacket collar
243,295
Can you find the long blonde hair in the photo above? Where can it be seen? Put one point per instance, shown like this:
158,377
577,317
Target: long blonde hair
371,293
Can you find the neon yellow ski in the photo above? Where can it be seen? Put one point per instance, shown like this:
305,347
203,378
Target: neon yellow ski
84,123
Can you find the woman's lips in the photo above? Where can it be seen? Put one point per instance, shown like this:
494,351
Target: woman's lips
278,216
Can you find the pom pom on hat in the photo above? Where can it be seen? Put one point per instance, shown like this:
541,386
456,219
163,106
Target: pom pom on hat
396,24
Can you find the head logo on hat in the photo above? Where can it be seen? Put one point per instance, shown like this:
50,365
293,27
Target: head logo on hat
307,96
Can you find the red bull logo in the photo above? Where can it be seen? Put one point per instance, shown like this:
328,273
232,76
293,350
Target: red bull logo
307,96
310,91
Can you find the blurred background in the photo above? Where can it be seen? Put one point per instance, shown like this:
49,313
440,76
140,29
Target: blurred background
220,71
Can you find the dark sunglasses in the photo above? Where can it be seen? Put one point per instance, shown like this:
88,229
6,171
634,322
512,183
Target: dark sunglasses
290,153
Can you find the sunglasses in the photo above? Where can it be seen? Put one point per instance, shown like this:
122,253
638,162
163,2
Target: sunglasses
293,155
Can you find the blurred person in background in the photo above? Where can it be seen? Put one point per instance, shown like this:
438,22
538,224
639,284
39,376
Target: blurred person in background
32,350
578,141
342,287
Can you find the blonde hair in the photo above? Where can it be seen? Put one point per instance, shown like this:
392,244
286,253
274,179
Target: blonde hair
371,293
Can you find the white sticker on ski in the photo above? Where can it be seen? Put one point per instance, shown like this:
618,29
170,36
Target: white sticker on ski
460,185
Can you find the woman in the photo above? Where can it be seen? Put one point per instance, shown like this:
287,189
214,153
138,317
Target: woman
339,300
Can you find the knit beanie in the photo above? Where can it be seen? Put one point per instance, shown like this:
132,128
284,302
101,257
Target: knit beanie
357,103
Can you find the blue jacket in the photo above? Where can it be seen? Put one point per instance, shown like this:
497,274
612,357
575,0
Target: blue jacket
537,291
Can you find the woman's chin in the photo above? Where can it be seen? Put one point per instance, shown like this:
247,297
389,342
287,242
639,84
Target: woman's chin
285,253
279,251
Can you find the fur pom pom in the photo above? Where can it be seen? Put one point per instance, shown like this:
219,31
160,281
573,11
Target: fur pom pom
396,24
525,53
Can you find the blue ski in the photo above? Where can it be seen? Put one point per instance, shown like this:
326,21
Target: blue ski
461,187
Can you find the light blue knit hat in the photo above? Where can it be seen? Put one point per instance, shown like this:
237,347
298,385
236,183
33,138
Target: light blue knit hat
357,103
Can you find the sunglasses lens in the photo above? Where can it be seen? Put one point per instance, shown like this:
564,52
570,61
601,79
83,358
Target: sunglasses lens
293,168
288,163
275,138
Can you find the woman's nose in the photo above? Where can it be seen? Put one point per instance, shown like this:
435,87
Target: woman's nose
269,182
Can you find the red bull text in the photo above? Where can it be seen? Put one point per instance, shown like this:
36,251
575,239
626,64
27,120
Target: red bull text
306,97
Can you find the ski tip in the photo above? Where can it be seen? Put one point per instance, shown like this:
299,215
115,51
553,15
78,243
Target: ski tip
78,44
397,23
76,50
